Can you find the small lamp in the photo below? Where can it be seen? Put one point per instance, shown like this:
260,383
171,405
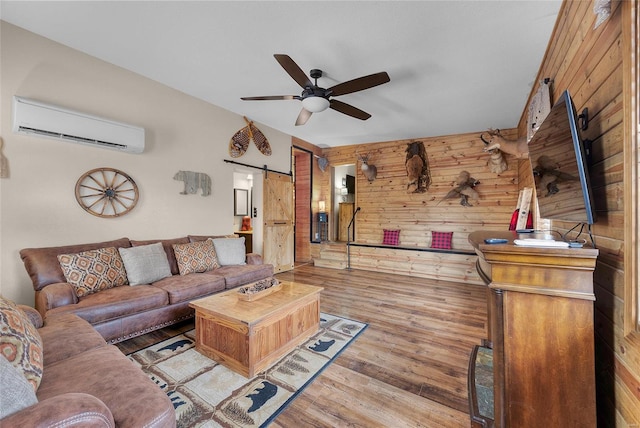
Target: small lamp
321,206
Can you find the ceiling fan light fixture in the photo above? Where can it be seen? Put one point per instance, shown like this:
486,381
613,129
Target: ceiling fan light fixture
315,104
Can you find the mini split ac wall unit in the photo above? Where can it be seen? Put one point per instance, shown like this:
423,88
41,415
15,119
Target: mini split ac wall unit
36,118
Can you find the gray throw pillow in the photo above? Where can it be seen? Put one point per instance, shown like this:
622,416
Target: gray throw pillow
230,251
145,264
17,392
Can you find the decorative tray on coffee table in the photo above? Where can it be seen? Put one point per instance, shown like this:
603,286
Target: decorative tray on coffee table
259,289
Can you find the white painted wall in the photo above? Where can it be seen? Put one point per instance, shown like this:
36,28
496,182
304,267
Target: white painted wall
37,202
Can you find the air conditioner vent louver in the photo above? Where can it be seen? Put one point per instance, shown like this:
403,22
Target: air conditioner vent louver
33,117
27,130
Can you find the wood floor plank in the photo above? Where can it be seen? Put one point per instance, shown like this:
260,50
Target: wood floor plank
419,338
407,369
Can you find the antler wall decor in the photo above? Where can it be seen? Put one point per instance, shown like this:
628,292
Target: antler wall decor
496,141
369,170
497,163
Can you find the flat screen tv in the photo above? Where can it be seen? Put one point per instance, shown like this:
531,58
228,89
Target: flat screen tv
351,184
559,163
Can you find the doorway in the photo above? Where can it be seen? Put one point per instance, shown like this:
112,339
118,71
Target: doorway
251,229
344,198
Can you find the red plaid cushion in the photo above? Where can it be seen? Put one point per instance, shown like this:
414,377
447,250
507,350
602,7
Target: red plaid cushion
441,240
391,237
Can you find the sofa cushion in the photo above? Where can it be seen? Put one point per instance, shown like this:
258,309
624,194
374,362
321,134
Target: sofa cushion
72,410
108,375
181,288
32,315
196,257
196,238
390,237
115,303
20,342
93,270
167,244
230,251
441,240
145,264
43,266
235,276
66,335
17,392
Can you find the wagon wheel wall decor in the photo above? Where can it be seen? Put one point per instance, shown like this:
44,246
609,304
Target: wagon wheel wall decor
106,192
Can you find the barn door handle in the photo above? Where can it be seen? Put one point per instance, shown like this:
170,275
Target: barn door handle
279,222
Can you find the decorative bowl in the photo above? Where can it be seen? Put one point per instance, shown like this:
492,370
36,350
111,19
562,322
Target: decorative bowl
259,289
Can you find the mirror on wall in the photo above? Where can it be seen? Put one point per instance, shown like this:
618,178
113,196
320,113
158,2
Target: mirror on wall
240,202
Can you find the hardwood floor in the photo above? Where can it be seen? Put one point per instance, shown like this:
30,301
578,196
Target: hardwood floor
408,369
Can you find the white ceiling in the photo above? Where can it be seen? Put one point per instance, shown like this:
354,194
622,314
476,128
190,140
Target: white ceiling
455,66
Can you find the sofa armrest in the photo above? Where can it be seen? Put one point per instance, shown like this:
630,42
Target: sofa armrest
33,315
68,410
254,259
55,295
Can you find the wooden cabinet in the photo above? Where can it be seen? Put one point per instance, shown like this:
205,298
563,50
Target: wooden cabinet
248,239
540,304
345,213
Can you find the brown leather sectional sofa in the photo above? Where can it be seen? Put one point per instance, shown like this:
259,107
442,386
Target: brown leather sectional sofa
123,312
88,383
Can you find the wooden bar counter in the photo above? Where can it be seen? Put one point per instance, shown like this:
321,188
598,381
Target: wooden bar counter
540,328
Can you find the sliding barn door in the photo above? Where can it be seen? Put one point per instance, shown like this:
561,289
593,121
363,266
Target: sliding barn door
278,221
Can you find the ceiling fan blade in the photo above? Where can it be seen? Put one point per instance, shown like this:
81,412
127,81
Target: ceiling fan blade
293,69
359,84
349,110
270,97
303,117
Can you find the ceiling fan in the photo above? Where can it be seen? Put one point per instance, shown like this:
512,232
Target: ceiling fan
316,99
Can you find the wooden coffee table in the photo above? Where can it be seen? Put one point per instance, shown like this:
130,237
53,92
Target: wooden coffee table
247,337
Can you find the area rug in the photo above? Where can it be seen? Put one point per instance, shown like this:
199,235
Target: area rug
207,394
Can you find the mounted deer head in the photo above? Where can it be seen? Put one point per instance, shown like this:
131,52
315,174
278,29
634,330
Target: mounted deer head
369,171
496,141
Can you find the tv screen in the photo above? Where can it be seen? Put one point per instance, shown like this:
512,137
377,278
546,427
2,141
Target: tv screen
351,184
559,165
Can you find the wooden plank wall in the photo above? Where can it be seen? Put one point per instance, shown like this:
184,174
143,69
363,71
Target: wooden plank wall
422,264
303,237
588,62
386,204
302,194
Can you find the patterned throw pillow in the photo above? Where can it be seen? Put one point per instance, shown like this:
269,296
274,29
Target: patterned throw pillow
94,270
20,342
391,237
196,257
441,240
